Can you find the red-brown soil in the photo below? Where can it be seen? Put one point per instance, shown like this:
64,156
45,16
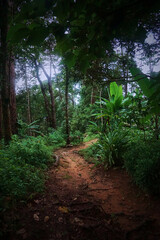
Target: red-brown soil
82,202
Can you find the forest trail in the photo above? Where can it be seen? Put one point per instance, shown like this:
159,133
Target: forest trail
82,202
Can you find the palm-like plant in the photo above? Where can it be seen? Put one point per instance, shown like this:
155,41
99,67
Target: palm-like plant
112,105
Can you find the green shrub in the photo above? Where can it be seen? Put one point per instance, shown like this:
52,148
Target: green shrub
76,137
109,150
55,139
21,165
31,150
142,161
113,144
19,180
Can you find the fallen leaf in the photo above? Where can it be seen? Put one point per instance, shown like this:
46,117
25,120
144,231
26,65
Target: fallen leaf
36,218
46,219
63,209
37,201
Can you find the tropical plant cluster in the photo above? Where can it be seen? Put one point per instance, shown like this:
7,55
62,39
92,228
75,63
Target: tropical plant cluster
128,137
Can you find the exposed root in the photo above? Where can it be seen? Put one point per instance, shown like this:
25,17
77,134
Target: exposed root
57,160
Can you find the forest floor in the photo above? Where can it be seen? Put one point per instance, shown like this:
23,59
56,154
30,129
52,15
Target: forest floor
83,202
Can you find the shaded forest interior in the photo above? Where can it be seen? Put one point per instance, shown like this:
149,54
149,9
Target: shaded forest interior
73,72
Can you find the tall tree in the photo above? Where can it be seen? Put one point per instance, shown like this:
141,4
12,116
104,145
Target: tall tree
27,97
13,111
7,72
5,83
46,102
52,100
66,105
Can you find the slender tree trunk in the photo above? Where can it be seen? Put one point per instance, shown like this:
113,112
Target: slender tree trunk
53,112
28,101
59,89
57,82
66,106
46,103
93,98
124,73
100,96
4,71
13,111
73,103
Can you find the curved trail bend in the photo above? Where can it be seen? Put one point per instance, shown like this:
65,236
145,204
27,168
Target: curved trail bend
82,202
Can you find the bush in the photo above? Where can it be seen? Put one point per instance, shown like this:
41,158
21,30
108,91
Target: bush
76,137
55,139
18,181
31,150
21,165
142,161
80,118
113,144
110,148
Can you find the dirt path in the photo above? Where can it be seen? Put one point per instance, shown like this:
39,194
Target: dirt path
86,203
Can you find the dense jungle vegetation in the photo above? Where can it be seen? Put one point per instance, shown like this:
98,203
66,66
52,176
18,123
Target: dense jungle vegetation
72,71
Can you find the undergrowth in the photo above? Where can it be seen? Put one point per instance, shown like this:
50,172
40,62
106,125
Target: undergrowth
90,136
91,154
76,137
22,165
55,139
142,161
140,157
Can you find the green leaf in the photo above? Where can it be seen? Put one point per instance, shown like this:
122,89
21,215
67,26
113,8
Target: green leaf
37,35
113,88
70,59
79,22
17,33
143,81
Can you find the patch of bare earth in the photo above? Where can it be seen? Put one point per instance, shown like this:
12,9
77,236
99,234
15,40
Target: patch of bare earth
82,202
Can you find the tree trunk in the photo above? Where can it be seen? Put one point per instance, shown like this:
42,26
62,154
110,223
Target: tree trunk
59,89
66,105
100,96
4,72
93,97
124,73
28,101
13,111
72,98
46,103
53,112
